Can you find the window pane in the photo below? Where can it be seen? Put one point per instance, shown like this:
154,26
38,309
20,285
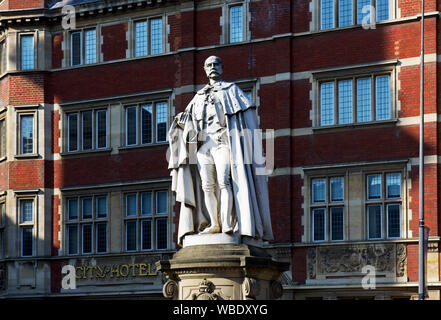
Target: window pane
72,209
131,125
140,38
27,134
26,241
382,10
374,221
87,238
337,223
374,186
86,204
382,94
161,233
146,123
101,207
101,237
337,188
161,202
146,203
345,13
236,24
27,52
3,138
146,233
2,57
101,128
249,95
72,128
156,36
364,100
27,210
326,103
87,130
393,185
75,48
131,235
344,101
131,205
318,222
326,14
161,121
318,190
72,239
90,46
393,221
360,15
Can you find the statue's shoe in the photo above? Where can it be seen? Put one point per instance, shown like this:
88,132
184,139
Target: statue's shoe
213,229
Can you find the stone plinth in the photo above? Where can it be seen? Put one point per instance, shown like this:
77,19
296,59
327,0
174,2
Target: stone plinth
227,271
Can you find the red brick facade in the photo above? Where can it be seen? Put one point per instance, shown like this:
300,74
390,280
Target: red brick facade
281,56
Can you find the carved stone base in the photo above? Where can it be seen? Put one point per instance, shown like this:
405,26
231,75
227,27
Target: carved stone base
222,272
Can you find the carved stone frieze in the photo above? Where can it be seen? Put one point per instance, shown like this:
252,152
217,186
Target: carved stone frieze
388,258
401,259
311,262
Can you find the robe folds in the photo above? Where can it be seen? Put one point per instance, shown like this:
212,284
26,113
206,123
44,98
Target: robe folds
250,213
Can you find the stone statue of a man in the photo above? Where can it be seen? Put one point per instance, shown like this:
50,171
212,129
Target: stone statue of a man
214,175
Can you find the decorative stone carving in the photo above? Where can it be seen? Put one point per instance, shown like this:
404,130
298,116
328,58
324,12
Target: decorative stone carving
170,289
311,256
251,288
401,259
206,292
276,290
354,258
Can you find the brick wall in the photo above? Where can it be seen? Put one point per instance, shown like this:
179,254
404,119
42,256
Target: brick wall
114,41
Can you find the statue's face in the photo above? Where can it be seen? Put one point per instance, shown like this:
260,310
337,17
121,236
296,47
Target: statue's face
213,68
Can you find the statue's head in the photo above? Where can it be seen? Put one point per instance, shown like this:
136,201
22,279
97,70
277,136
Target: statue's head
213,67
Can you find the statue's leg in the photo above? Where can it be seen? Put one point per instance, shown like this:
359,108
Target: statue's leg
207,171
222,162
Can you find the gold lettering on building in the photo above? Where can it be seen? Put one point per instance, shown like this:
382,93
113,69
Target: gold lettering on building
115,271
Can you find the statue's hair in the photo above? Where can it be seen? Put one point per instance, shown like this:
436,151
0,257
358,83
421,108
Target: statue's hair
213,57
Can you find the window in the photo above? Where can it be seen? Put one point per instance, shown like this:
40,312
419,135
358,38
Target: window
146,123
342,13
86,224
236,24
327,208
355,99
383,205
149,38
2,228
26,133
26,225
146,220
3,56
2,138
87,130
27,52
83,47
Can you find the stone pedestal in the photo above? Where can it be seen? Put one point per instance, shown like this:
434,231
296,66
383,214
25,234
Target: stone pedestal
206,270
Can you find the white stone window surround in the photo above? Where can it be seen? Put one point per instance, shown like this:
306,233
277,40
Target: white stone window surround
133,127
135,215
81,221
355,200
326,204
143,43
96,140
85,48
27,111
316,8
354,72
